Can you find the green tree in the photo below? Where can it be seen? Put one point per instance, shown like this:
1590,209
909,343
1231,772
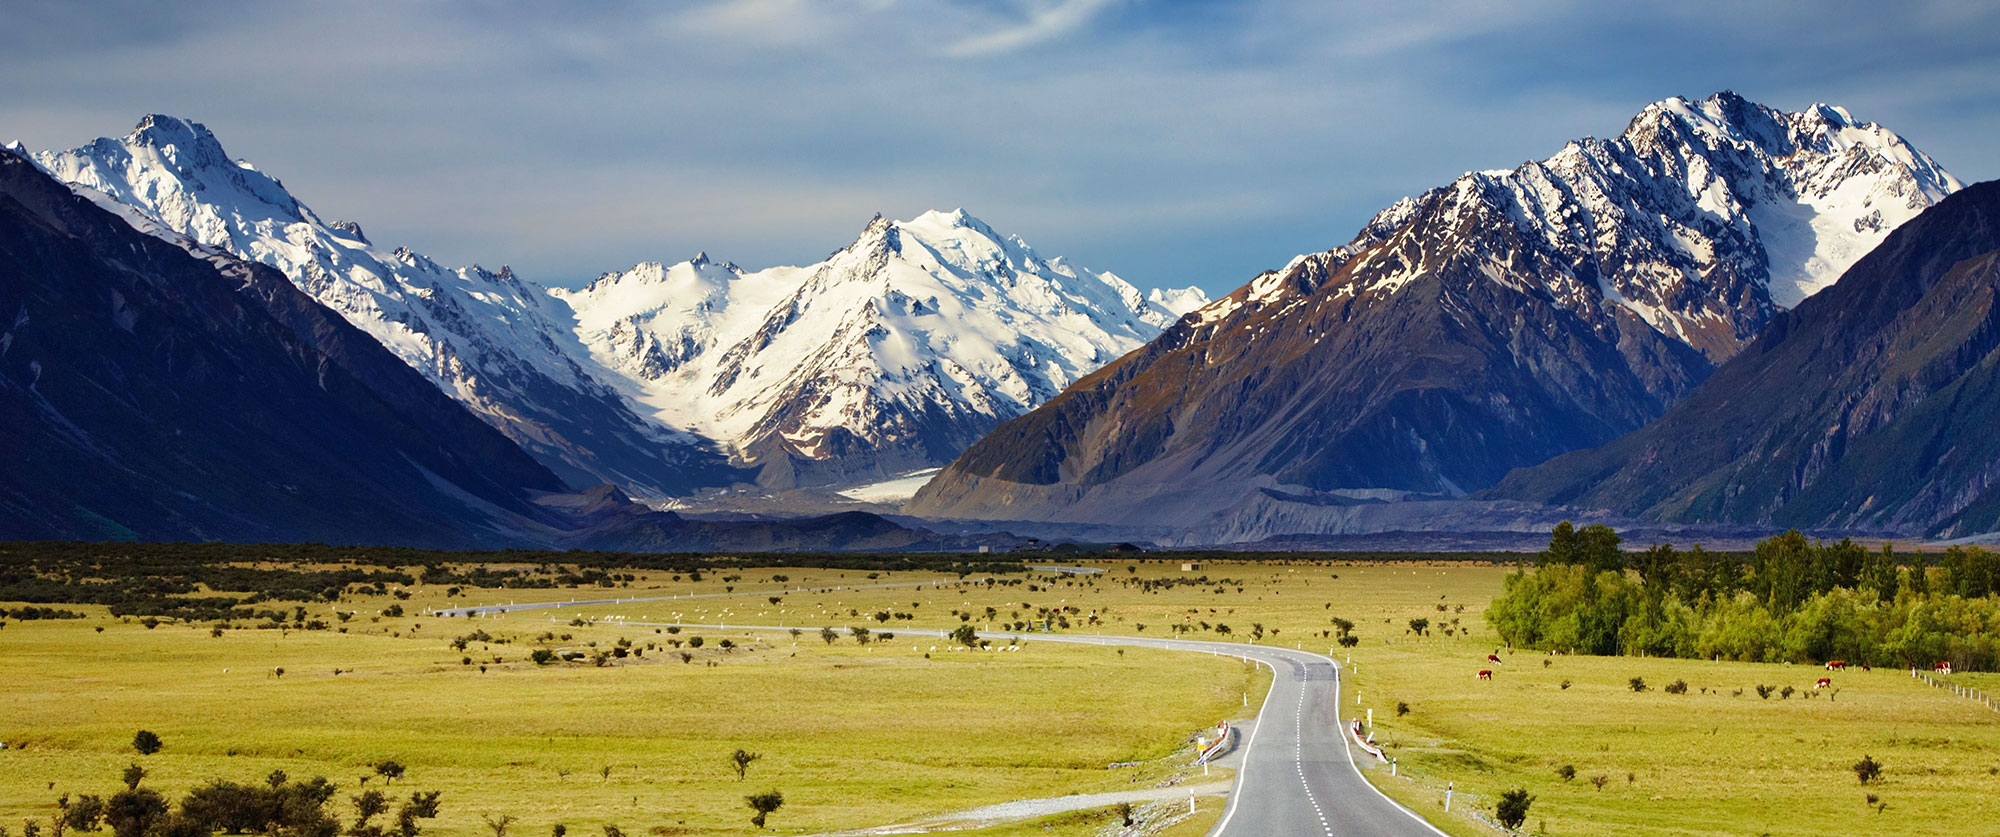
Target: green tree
764,804
146,742
133,811
1513,808
966,636
741,760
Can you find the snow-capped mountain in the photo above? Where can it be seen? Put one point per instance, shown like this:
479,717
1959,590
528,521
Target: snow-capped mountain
1485,325
894,353
498,344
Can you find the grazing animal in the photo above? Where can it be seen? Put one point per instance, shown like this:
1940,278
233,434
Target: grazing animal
1493,658
1943,667
1864,668
1486,674
1836,665
1824,682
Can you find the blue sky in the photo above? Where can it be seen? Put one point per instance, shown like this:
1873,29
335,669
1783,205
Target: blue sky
1175,142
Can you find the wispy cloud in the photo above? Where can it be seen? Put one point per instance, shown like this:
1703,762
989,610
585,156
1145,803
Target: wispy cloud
1173,141
1042,22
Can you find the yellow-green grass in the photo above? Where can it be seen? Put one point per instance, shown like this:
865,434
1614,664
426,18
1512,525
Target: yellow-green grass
854,736
1701,763
1714,763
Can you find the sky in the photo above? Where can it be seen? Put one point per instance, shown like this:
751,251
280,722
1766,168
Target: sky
1174,142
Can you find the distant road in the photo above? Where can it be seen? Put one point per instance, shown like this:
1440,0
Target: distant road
1298,777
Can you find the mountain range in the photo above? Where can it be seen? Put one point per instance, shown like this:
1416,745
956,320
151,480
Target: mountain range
893,354
1486,325
1869,407
156,389
1726,316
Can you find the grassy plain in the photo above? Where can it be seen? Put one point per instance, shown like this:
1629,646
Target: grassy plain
1715,760
859,736
854,735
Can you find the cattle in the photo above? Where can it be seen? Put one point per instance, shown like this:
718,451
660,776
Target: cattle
1486,674
1823,683
1864,668
1493,658
1943,667
1836,665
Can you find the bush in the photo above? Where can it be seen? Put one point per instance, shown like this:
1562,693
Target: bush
132,812
1764,691
1638,684
146,742
85,814
541,656
1402,708
1867,769
1678,687
1513,808
1567,772
694,642
764,804
1348,640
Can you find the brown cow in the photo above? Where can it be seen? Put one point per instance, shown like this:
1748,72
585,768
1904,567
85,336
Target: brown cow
1836,665
1493,658
1823,683
1486,674
1943,667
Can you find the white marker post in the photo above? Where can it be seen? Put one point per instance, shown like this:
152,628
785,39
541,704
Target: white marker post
1447,797
1190,803
1392,767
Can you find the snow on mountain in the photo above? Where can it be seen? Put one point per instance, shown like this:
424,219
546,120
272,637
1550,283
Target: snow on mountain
498,344
894,353
1485,325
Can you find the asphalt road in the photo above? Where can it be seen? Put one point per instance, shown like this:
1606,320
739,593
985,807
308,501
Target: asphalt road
1299,777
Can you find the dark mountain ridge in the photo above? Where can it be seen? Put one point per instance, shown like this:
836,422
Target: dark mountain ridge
151,392
1871,406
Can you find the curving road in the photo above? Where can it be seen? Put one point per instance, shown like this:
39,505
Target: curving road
1298,779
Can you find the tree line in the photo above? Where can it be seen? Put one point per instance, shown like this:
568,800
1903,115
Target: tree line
1791,599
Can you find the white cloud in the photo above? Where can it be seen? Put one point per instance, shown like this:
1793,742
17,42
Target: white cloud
1045,22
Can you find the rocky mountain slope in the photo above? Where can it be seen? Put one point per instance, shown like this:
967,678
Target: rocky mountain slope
162,391
497,343
893,354
1486,325
1869,407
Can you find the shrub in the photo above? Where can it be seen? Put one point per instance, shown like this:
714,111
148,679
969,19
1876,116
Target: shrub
541,656
1513,808
1402,708
1348,640
741,760
1564,685
146,742
85,814
1764,691
1867,769
764,804
1638,684
1678,687
132,812
1785,693
1600,780
694,642
1567,772
389,769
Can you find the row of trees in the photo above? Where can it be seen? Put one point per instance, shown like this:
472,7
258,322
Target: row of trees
278,806
1791,599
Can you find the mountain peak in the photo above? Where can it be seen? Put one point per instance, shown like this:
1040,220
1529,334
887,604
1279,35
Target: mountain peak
194,143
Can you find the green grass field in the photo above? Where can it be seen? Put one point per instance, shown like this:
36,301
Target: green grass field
863,736
854,736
